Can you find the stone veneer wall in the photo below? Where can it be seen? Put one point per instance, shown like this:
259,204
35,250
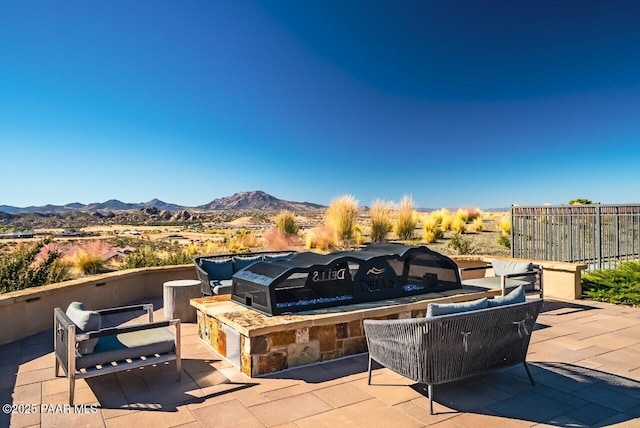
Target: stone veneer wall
280,350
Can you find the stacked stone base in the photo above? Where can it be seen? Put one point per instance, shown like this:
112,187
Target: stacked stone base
271,344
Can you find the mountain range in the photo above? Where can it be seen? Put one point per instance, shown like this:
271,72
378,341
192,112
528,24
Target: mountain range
252,200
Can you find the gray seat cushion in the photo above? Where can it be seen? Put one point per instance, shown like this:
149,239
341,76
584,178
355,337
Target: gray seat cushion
85,321
274,257
129,345
218,268
436,309
494,282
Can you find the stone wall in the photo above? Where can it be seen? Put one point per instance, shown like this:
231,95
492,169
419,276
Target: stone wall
279,350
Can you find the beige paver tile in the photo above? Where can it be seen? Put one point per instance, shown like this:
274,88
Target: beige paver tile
228,414
250,397
376,413
210,378
419,410
153,418
330,419
212,395
290,391
342,395
478,420
44,362
392,392
34,376
290,409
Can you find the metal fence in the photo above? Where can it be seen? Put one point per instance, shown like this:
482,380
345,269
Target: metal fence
597,235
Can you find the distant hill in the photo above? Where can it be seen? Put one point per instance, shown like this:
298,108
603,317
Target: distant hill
255,200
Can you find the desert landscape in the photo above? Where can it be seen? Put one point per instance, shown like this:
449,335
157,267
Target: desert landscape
113,235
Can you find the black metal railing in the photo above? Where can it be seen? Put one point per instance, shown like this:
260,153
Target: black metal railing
597,235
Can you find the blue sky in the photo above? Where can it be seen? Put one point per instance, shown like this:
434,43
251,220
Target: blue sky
457,103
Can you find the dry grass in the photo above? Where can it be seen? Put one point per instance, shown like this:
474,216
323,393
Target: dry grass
277,240
322,238
406,219
476,225
381,222
340,218
286,223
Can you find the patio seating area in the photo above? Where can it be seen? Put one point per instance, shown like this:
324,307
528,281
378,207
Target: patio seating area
584,357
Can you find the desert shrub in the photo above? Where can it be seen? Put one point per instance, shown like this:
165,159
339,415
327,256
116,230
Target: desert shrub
358,235
460,244
242,241
406,219
446,219
59,271
619,285
20,269
381,223
177,258
87,263
459,225
476,225
277,240
286,222
142,257
340,217
437,216
431,230
462,215
322,238
580,201
504,225
504,240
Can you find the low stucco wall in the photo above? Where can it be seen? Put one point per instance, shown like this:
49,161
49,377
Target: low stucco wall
560,280
30,311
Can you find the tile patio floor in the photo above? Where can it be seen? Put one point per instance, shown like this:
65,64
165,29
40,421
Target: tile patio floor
584,356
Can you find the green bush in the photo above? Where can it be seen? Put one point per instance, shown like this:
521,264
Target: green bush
460,244
20,270
504,240
620,285
89,264
142,257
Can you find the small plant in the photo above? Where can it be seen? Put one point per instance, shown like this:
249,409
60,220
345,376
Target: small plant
87,263
504,225
431,230
620,285
580,201
321,238
406,220
460,244
242,241
277,240
286,223
459,225
142,257
504,240
476,225
462,215
340,217
381,223
446,219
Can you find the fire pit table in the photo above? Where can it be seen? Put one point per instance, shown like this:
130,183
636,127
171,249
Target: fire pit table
283,315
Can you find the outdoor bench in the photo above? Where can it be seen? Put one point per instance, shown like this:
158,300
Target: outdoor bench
216,271
439,349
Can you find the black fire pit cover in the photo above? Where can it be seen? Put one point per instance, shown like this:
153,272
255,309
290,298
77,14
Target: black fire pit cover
312,281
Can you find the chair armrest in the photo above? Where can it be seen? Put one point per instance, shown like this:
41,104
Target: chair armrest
485,267
148,307
142,307
112,331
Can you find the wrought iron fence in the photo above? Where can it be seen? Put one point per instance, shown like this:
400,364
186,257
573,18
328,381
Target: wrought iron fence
594,234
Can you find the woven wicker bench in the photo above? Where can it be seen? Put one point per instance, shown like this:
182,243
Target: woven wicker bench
448,348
